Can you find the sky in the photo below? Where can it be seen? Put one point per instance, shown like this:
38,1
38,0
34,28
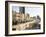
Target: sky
15,8
33,11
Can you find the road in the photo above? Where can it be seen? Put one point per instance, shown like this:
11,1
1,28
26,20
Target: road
27,25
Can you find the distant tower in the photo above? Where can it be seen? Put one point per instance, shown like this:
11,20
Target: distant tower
22,10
